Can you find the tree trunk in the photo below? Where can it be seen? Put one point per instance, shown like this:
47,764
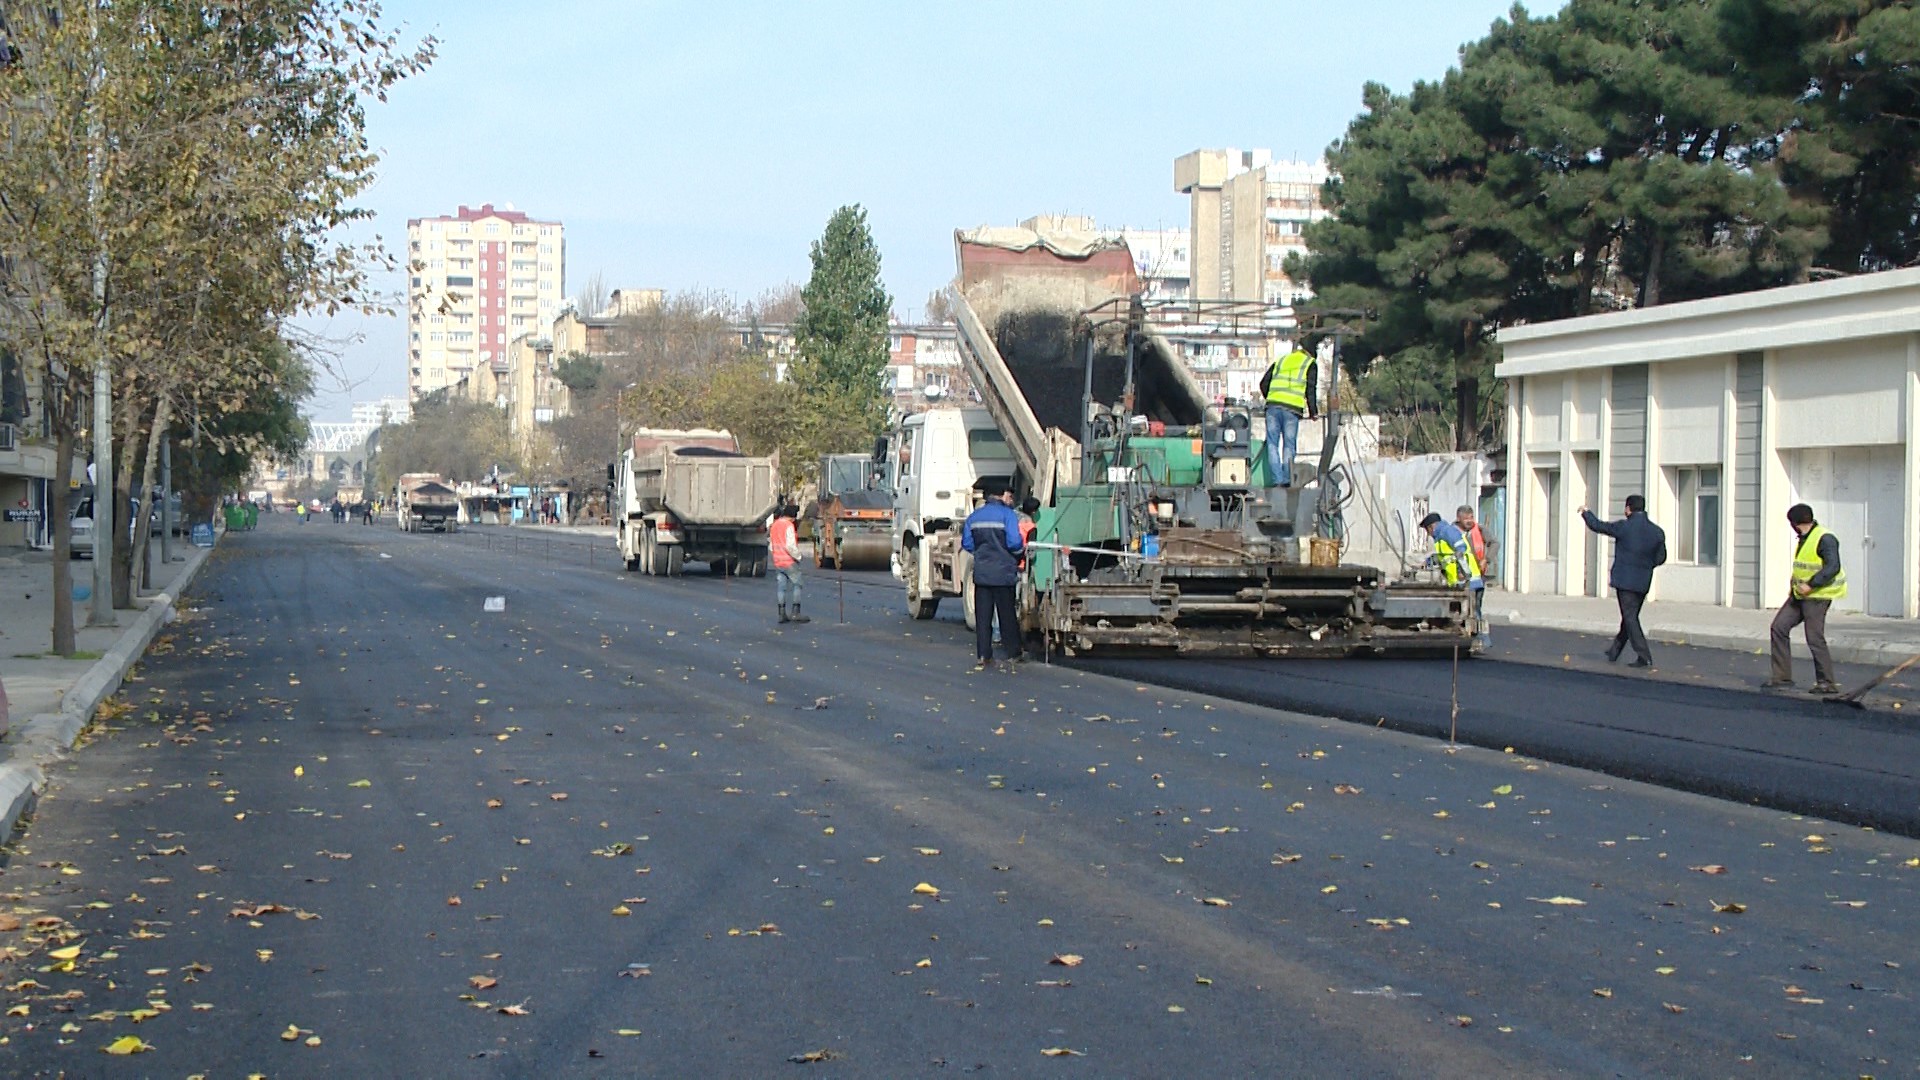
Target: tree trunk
1650,285
64,640
1466,412
122,487
145,510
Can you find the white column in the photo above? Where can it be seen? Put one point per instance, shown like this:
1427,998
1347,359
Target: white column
1910,542
1723,573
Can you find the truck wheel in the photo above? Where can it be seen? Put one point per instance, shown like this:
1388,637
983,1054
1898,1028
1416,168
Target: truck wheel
966,601
921,607
656,556
676,560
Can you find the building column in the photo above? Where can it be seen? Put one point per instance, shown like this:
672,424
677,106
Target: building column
1910,543
1516,578
1729,423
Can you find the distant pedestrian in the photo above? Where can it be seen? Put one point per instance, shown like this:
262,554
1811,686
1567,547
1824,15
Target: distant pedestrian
992,535
1454,556
300,512
1818,580
366,513
783,549
1638,546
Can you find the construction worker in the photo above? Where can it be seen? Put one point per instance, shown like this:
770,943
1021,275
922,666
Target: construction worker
1477,540
1818,580
1638,547
1454,556
992,535
783,550
1288,389
1451,553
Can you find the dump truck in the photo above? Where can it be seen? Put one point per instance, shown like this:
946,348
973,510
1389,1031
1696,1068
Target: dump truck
692,496
852,520
426,501
1158,529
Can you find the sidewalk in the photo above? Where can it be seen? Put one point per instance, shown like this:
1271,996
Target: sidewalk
1854,639
51,698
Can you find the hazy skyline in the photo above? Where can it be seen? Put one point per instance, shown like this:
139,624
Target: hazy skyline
705,146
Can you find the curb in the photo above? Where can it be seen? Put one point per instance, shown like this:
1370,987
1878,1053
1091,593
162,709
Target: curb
48,737
1844,652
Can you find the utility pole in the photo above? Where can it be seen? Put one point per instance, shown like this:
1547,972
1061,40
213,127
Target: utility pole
166,498
105,512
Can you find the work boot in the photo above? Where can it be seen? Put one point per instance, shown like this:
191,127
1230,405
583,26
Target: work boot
1824,688
784,617
797,617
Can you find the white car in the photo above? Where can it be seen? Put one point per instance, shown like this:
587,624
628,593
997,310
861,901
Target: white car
80,529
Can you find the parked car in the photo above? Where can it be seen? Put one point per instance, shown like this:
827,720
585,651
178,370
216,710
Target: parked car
80,528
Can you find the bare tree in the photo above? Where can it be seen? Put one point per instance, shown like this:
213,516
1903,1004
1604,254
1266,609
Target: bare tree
778,306
593,296
939,310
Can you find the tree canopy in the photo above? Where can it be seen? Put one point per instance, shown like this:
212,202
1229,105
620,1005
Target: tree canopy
1622,153
842,338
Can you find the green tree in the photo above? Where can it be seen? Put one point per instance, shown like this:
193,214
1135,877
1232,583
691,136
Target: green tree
839,376
1852,67
1613,155
169,186
459,439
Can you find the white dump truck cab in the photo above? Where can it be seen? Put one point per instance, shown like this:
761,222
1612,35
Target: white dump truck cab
937,464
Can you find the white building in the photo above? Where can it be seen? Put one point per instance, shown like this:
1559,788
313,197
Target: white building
475,281
371,414
1723,413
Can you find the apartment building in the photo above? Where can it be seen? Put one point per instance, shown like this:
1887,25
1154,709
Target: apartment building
1249,213
477,279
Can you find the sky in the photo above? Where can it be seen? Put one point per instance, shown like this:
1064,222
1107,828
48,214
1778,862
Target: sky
704,145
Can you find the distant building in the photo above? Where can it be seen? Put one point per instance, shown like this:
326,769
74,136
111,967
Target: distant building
1249,212
477,280
371,414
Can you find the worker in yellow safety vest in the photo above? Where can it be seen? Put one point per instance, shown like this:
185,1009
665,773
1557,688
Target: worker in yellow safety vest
1451,553
1818,580
1288,389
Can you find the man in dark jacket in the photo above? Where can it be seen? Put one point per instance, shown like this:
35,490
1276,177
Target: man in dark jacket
1638,546
992,535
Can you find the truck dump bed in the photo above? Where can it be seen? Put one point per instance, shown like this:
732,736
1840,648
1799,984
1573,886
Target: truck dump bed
701,479
1016,305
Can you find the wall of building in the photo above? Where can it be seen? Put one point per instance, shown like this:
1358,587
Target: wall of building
1723,413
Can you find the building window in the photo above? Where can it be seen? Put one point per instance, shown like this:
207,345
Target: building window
1698,488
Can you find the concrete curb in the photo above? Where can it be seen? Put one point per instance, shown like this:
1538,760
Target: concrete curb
48,737
1844,652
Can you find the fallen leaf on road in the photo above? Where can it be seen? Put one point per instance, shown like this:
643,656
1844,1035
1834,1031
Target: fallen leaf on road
1061,1051
1672,1008
1067,959
1602,992
812,1057
1054,983
622,909
514,1010
924,889
1346,789
361,783
1215,901
1729,908
1710,868
1558,901
1664,970
558,796
928,850
1503,789
126,1044
292,1033
482,982
628,1033
494,804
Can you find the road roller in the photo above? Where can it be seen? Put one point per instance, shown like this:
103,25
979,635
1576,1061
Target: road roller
855,531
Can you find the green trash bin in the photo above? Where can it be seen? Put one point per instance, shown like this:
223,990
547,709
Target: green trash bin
235,521
250,515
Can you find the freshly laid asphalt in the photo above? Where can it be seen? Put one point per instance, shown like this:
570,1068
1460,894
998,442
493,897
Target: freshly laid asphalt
353,824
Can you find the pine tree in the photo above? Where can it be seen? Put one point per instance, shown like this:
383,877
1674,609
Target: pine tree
839,376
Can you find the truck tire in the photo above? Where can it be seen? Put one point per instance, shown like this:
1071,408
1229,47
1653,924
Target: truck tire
676,560
966,600
656,556
626,545
921,607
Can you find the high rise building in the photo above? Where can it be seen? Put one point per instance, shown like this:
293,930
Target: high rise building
476,280
1249,213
